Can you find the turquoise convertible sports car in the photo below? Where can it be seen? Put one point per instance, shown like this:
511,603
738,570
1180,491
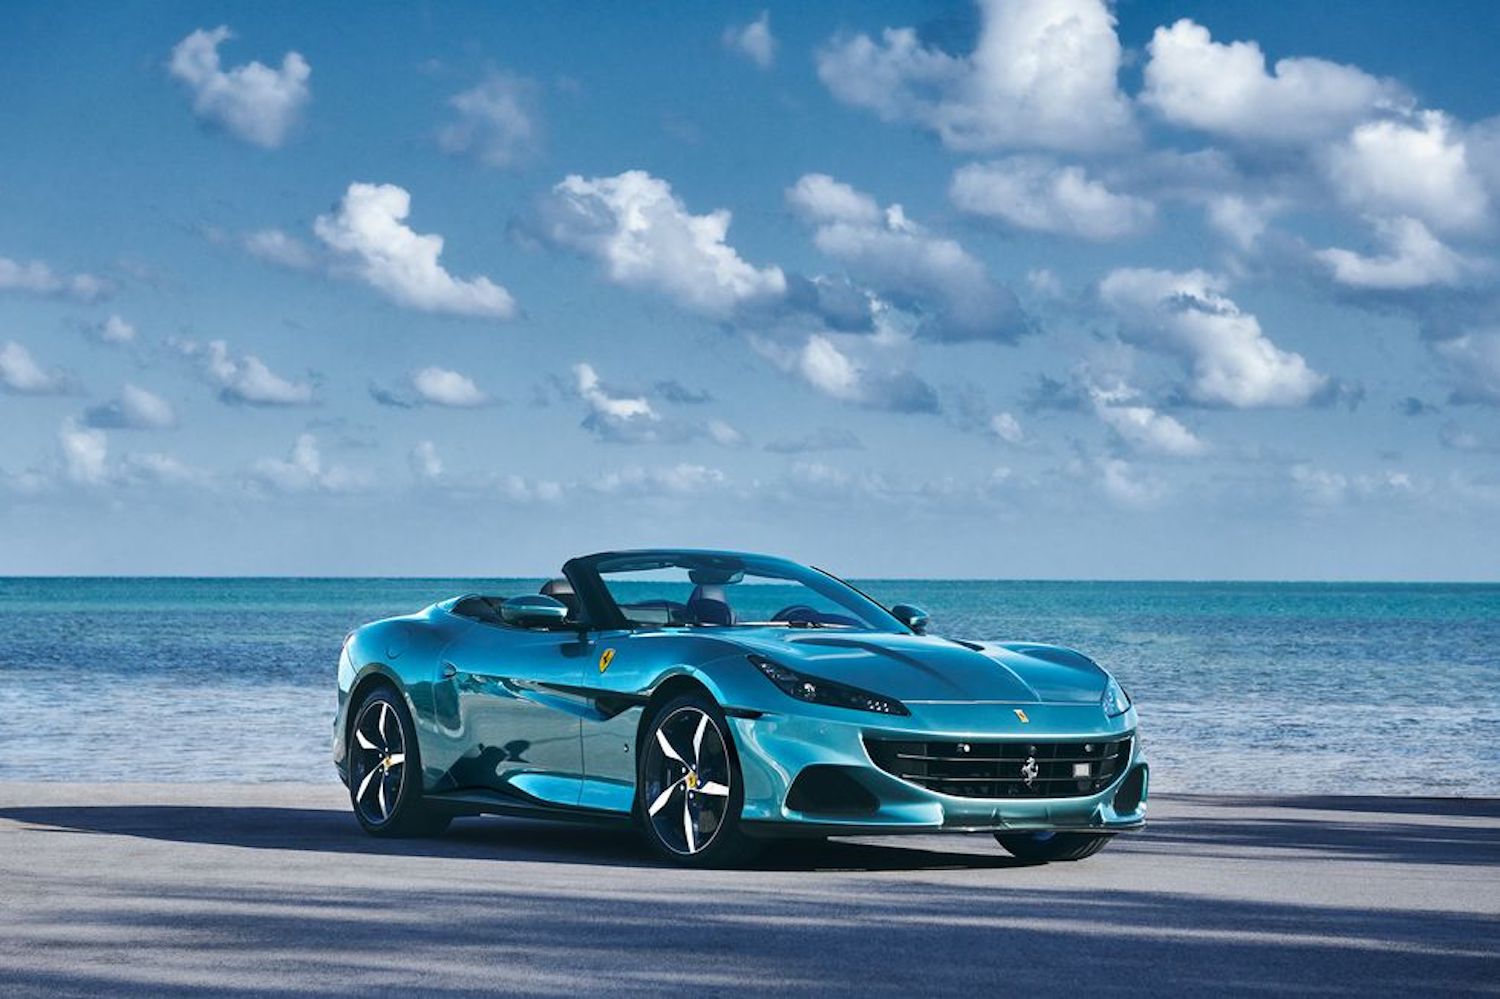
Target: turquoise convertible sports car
717,699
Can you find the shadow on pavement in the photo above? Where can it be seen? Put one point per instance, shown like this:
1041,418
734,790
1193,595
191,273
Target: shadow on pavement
490,838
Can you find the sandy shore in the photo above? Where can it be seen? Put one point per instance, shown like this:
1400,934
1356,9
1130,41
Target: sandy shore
176,889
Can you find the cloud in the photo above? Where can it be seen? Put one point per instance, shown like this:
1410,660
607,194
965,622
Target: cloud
85,452
943,283
1007,428
1141,427
1416,259
615,417
244,378
135,409
1230,361
1037,194
644,237
1322,487
821,363
1193,81
821,439
368,234
682,479
20,374
1128,486
433,386
252,102
754,41
303,471
113,330
425,462
496,122
724,434
1043,74
37,278
1418,168
1474,362
1460,439
277,247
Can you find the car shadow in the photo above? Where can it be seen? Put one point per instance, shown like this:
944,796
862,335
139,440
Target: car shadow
487,837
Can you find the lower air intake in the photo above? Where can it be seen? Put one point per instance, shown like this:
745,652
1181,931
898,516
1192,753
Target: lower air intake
1004,769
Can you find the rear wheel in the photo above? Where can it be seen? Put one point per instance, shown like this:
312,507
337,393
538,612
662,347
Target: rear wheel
1046,846
1052,846
385,770
688,789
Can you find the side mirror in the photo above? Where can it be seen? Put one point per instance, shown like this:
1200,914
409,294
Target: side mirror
535,611
914,618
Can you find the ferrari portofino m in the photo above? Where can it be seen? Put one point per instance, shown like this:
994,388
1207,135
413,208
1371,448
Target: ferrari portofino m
717,699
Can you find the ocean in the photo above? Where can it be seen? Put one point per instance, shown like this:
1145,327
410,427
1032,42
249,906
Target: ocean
1370,688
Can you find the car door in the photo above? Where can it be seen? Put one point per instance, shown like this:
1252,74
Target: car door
518,711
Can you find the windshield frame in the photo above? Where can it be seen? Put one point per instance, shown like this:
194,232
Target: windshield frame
586,575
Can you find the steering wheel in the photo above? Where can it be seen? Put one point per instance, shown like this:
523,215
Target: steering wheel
798,612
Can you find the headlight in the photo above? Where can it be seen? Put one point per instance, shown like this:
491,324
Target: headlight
815,690
1115,701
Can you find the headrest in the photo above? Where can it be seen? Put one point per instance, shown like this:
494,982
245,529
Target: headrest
559,587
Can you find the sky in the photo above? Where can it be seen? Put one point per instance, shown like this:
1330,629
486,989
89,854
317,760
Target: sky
1019,289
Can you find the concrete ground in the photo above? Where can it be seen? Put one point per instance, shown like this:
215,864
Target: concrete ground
166,890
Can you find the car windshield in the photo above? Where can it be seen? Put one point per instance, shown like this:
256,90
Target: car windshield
721,591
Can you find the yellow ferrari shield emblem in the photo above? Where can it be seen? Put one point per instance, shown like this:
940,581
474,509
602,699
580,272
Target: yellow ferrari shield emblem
1019,713
605,658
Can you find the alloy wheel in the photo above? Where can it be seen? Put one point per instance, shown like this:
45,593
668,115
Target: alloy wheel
687,783
379,753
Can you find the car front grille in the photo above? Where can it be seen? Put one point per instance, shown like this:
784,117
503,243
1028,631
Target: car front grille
1011,769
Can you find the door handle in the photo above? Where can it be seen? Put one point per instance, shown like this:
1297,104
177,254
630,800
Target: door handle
449,670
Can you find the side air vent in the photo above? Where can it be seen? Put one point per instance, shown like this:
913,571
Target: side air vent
829,790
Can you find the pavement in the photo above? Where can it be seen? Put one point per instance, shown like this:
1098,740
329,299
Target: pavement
166,890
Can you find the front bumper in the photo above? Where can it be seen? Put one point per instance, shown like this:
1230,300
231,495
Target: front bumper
774,749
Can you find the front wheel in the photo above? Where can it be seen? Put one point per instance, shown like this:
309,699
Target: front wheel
688,790
385,770
1047,846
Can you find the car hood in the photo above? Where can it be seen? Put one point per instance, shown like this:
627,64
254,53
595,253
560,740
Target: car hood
928,668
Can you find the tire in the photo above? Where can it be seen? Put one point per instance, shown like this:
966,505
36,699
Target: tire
385,770
688,789
1045,847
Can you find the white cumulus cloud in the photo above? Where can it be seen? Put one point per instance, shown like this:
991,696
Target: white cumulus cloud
244,378
1043,74
277,247
1037,194
1230,361
935,276
1418,168
644,236
21,374
426,463
1415,258
1141,427
496,122
113,330
442,387
754,41
252,102
38,278
1192,80
1474,360
85,454
304,471
135,409
369,234
834,371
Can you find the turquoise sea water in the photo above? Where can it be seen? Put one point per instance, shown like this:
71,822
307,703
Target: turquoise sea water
1289,687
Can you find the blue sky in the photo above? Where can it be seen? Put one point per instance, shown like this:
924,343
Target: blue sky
1020,289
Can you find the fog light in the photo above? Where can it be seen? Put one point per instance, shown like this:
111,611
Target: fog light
1080,770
